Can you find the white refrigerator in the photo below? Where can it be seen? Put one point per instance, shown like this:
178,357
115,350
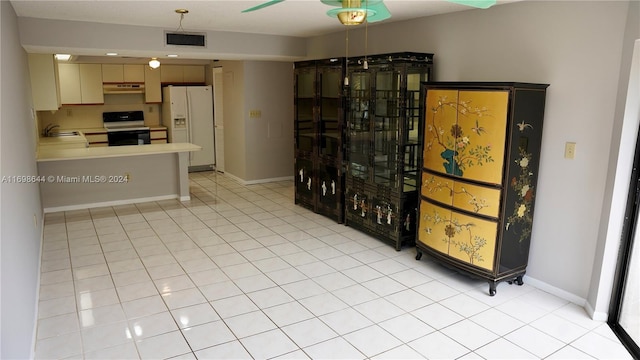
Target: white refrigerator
187,112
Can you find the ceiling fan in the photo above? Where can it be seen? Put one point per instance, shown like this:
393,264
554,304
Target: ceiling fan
354,12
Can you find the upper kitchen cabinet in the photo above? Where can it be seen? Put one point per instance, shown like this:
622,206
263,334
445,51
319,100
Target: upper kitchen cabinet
81,84
123,73
182,74
152,86
45,86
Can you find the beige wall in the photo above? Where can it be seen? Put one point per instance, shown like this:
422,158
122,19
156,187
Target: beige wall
20,212
554,42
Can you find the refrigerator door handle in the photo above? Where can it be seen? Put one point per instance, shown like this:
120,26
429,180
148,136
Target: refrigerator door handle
189,113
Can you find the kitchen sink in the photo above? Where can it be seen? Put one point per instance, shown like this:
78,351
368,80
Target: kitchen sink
64,133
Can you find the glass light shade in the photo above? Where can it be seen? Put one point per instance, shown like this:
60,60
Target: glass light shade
352,17
154,63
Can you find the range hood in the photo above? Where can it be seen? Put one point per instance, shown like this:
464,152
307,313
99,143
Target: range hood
123,88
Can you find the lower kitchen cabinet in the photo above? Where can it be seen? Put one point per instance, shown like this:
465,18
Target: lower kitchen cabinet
479,176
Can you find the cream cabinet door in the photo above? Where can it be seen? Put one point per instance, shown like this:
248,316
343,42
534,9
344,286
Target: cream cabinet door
70,84
91,84
112,73
133,73
171,73
152,85
45,87
193,74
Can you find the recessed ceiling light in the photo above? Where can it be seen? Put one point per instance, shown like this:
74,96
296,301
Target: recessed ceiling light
172,55
63,57
111,54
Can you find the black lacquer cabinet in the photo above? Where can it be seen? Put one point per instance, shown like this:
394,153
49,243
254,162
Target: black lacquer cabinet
319,136
479,176
383,144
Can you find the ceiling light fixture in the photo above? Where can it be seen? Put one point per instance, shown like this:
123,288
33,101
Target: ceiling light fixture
154,63
63,57
181,12
172,55
112,54
351,12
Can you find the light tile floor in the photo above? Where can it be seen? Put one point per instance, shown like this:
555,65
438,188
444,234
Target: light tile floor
241,272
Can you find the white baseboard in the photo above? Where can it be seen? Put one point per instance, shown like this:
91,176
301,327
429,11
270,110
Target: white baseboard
112,203
595,315
563,294
259,181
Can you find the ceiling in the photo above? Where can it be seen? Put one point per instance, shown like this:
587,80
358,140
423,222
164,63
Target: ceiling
299,18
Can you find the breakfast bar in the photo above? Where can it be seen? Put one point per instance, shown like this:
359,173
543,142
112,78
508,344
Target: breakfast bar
79,178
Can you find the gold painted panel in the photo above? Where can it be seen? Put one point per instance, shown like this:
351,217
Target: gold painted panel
432,230
440,117
437,188
472,240
473,198
465,133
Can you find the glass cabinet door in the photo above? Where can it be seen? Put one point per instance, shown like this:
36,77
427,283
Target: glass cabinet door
305,95
386,128
412,126
359,125
330,111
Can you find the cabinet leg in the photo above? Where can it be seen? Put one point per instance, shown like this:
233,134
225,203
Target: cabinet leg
418,255
492,288
518,281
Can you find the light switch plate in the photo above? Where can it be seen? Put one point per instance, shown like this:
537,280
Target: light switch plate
570,150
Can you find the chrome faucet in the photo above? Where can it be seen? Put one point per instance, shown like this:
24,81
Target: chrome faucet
47,129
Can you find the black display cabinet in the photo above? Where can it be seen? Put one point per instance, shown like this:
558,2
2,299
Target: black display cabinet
319,136
383,142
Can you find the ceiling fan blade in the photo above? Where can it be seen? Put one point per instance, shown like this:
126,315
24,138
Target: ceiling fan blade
381,11
481,4
263,5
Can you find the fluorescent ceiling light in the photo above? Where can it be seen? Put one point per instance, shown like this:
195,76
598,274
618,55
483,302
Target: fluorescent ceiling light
63,57
111,54
172,55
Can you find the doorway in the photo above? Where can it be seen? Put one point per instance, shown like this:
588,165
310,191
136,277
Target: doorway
624,311
218,115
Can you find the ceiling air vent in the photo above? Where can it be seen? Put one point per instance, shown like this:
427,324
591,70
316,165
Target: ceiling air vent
185,39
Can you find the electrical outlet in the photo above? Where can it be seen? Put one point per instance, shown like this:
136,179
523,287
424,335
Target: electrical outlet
150,109
69,113
570,150
35,221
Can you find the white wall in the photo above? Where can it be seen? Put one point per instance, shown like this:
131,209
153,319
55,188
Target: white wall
576,47
258,149
20,237
269,89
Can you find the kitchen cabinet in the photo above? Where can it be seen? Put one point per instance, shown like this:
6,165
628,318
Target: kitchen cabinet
383,142
45,84
122,73
133,73
182,74
152,86
319,136
479,176
81,83
96,137
158,135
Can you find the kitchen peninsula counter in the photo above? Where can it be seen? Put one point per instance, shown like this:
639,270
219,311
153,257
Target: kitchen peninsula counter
52,154
92,177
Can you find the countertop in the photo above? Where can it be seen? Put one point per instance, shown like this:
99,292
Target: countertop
52,153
